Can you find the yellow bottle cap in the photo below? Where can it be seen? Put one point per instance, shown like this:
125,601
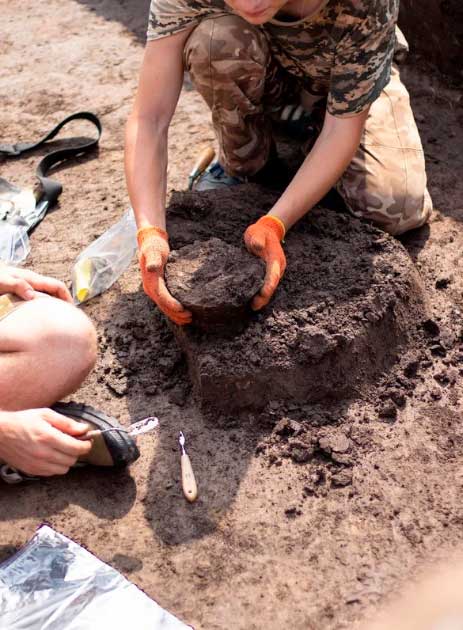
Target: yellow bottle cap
83,279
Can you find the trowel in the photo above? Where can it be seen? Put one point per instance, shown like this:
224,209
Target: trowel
204,159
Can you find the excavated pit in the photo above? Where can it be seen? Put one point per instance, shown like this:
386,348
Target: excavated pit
347,305
215,281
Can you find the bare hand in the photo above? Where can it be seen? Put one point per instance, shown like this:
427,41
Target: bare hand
24,283
41,442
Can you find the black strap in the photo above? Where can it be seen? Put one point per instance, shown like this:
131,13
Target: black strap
50,188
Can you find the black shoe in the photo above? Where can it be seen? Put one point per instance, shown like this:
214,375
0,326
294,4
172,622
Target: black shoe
111,447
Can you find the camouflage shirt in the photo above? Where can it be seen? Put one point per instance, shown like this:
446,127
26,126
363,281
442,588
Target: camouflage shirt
343,52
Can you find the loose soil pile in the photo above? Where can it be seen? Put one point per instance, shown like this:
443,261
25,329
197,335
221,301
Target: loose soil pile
340,316
215,281
310,514
437,34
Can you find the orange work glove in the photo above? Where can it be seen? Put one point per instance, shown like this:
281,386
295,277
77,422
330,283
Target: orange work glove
153,251
263,239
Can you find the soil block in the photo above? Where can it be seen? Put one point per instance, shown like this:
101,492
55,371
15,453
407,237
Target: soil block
346,307
215,281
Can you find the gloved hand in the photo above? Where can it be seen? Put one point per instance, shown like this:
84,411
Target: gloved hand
263,239
153,251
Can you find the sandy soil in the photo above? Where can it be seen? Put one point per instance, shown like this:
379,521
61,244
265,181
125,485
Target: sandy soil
278,538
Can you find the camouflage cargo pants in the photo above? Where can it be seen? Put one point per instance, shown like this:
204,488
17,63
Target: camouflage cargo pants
231,66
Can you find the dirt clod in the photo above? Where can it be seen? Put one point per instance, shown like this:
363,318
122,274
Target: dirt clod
398,397
342,478
215,281
411,369
292,512
342,458
300,452
442,283
286,426
388,410
431,327
335,442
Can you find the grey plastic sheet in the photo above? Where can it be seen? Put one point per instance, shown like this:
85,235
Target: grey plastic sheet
55,584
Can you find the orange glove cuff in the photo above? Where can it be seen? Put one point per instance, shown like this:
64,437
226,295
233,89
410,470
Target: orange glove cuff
145,233
275,224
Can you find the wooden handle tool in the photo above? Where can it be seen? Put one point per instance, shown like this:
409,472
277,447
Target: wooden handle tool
189,486
203,161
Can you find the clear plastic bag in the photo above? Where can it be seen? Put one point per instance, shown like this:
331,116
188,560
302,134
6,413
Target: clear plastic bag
16,206
104,261
14,243
15,201
55,584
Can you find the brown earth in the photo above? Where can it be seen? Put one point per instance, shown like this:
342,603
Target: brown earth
340,317
215,281
309,516
434,30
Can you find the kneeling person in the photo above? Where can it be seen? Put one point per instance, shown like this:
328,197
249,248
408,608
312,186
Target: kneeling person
248,59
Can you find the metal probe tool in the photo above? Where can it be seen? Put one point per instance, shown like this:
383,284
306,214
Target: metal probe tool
137,428
190,489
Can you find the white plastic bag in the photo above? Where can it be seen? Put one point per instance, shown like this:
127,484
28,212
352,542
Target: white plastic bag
55,584
14,243
104,261
16,205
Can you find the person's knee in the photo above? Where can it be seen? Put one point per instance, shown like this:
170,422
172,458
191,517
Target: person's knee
83,338
226,38
64,334
410,210
395,200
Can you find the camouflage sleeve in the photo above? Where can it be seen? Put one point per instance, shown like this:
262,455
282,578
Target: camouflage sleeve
363,59
167,17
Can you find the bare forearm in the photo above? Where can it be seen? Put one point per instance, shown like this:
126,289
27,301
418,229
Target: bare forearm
159,87
322,168
146,169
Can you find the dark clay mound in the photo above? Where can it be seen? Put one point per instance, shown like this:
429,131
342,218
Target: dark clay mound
345,309
215,281
437,35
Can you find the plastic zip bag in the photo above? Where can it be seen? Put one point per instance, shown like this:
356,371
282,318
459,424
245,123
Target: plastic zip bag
105,260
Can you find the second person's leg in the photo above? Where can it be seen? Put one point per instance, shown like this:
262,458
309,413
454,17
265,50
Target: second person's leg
230,64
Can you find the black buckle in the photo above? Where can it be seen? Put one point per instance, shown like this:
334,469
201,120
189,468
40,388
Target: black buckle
13,150
10,149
